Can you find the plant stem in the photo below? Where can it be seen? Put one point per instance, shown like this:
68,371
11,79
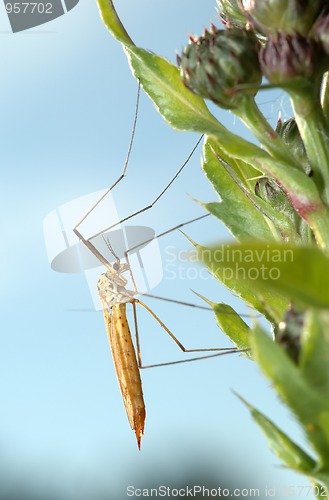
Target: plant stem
252,117
113,22
314,132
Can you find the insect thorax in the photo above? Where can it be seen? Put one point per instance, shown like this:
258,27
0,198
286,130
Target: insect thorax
111,291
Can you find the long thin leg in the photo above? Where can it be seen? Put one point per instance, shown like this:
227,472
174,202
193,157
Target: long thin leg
91,246
175,339
228,350
198,306
87,242
224,350
129,250
179,226
199,358
148,207
138,348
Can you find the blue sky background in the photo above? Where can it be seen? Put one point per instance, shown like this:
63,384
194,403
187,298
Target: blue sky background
67,104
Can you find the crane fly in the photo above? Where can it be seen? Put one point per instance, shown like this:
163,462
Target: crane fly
114,296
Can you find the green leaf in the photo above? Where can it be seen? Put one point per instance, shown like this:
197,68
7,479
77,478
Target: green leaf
235,210
321,490
231,324
288,451
324,423
246,215
230,271
162,82
299,273
314,358
308,405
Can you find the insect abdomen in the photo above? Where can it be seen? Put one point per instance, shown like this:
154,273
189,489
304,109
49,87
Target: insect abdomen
126,366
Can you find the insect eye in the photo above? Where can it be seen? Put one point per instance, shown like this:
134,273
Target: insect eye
116,266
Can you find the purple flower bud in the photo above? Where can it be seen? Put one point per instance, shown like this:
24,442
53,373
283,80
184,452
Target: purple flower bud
286,57
284,16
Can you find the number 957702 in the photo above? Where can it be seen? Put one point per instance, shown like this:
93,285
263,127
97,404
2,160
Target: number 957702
29,8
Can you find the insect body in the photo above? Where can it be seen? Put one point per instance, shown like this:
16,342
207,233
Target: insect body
114,296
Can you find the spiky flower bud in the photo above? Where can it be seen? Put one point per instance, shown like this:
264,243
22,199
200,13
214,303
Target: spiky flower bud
268,190
232,14
284,16
214,65
290,135
285,57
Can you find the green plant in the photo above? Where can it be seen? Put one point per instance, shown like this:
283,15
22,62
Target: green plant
273,199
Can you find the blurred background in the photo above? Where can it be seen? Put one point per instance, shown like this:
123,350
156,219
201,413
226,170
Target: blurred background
67,106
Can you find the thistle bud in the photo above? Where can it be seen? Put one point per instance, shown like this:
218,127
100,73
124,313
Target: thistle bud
284,16
268,190
232,14
286,57
290,135
215,64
